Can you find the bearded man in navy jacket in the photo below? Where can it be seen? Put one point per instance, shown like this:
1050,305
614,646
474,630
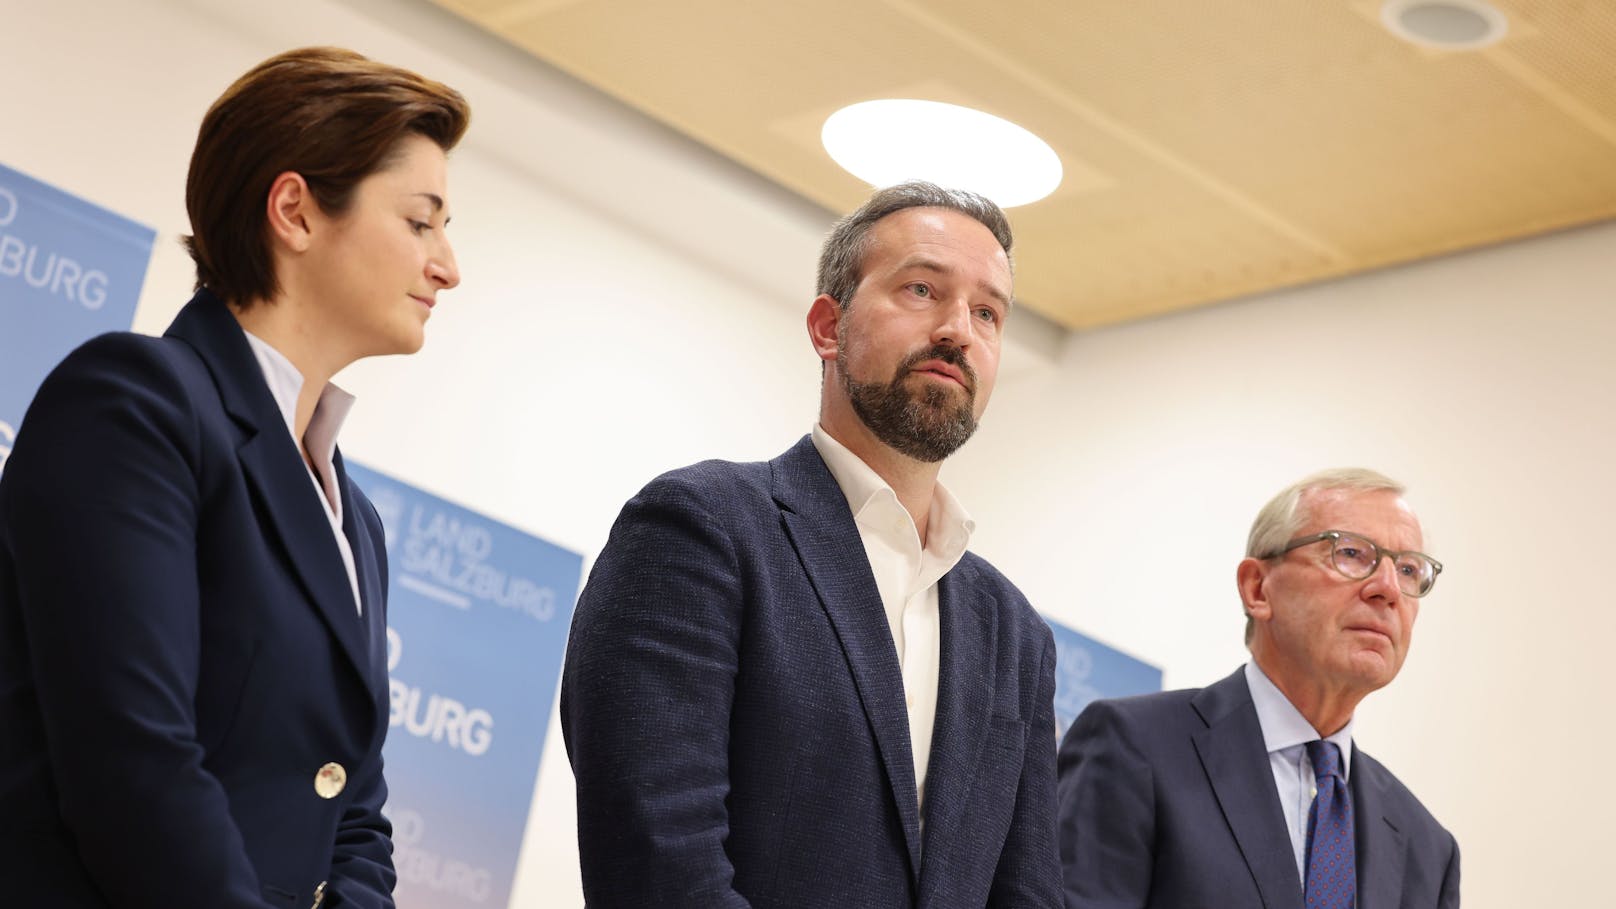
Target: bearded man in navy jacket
789,683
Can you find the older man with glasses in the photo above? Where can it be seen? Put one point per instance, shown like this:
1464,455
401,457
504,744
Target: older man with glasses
1250,792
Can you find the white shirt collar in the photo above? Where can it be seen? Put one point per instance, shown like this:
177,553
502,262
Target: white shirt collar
285,384
1283,726
948,525
320,440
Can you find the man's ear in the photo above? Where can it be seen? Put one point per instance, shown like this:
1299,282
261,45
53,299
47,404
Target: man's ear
824,318
289,212
1251,577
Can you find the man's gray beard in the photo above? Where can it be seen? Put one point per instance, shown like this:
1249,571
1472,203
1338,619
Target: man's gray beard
926,425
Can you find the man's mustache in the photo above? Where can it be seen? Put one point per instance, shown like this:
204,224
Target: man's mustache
946,353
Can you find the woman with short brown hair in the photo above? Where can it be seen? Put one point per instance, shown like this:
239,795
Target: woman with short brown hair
193,680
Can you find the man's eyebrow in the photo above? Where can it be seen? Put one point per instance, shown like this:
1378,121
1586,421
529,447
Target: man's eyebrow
932,265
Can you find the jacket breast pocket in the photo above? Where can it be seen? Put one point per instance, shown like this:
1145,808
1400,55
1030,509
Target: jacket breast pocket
998,776
1007,741
994,788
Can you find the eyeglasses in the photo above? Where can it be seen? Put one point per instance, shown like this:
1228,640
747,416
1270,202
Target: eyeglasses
1357,558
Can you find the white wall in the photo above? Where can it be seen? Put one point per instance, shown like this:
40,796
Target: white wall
1117,490
632,303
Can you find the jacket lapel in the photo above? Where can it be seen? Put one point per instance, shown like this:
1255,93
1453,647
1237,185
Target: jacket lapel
372,589
821,528
1377,838
274,469
967,670
1236,764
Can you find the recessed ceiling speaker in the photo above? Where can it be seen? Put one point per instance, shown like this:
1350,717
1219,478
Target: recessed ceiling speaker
1445,24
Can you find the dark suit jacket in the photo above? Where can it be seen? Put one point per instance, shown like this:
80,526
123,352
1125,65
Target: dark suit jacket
1168,800
734,712
179,648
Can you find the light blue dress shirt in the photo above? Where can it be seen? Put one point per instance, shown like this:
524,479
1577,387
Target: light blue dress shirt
1285,735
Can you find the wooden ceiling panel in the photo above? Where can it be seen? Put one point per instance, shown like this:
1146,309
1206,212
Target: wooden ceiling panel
1212,150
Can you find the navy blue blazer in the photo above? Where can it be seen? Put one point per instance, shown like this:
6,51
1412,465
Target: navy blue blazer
179,650
1168,800
734,712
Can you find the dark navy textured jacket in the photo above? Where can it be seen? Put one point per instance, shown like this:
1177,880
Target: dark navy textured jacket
734,712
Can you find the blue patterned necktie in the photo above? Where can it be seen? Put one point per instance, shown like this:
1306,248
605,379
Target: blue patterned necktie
1332,868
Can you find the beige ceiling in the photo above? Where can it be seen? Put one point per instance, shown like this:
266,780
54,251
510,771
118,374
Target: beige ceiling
1212,148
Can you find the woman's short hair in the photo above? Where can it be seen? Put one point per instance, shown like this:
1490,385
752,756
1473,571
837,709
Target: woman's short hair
328,114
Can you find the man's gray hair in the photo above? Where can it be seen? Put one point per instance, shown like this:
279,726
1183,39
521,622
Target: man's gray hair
1282,519
841,261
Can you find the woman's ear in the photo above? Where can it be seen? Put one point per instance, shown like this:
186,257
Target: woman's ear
290,208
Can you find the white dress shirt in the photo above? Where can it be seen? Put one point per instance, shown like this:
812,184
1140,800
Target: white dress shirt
906,576
1286,734
286,383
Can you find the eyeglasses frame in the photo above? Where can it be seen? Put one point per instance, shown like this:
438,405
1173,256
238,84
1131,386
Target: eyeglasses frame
1334,536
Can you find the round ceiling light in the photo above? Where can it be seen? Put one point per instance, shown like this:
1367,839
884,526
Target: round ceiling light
1444,24
890,141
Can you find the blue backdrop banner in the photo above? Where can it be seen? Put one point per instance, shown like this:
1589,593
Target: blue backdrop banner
69,270
477,619
1087,670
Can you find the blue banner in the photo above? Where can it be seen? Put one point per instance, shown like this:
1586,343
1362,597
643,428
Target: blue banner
69,270
477,621
1087,670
